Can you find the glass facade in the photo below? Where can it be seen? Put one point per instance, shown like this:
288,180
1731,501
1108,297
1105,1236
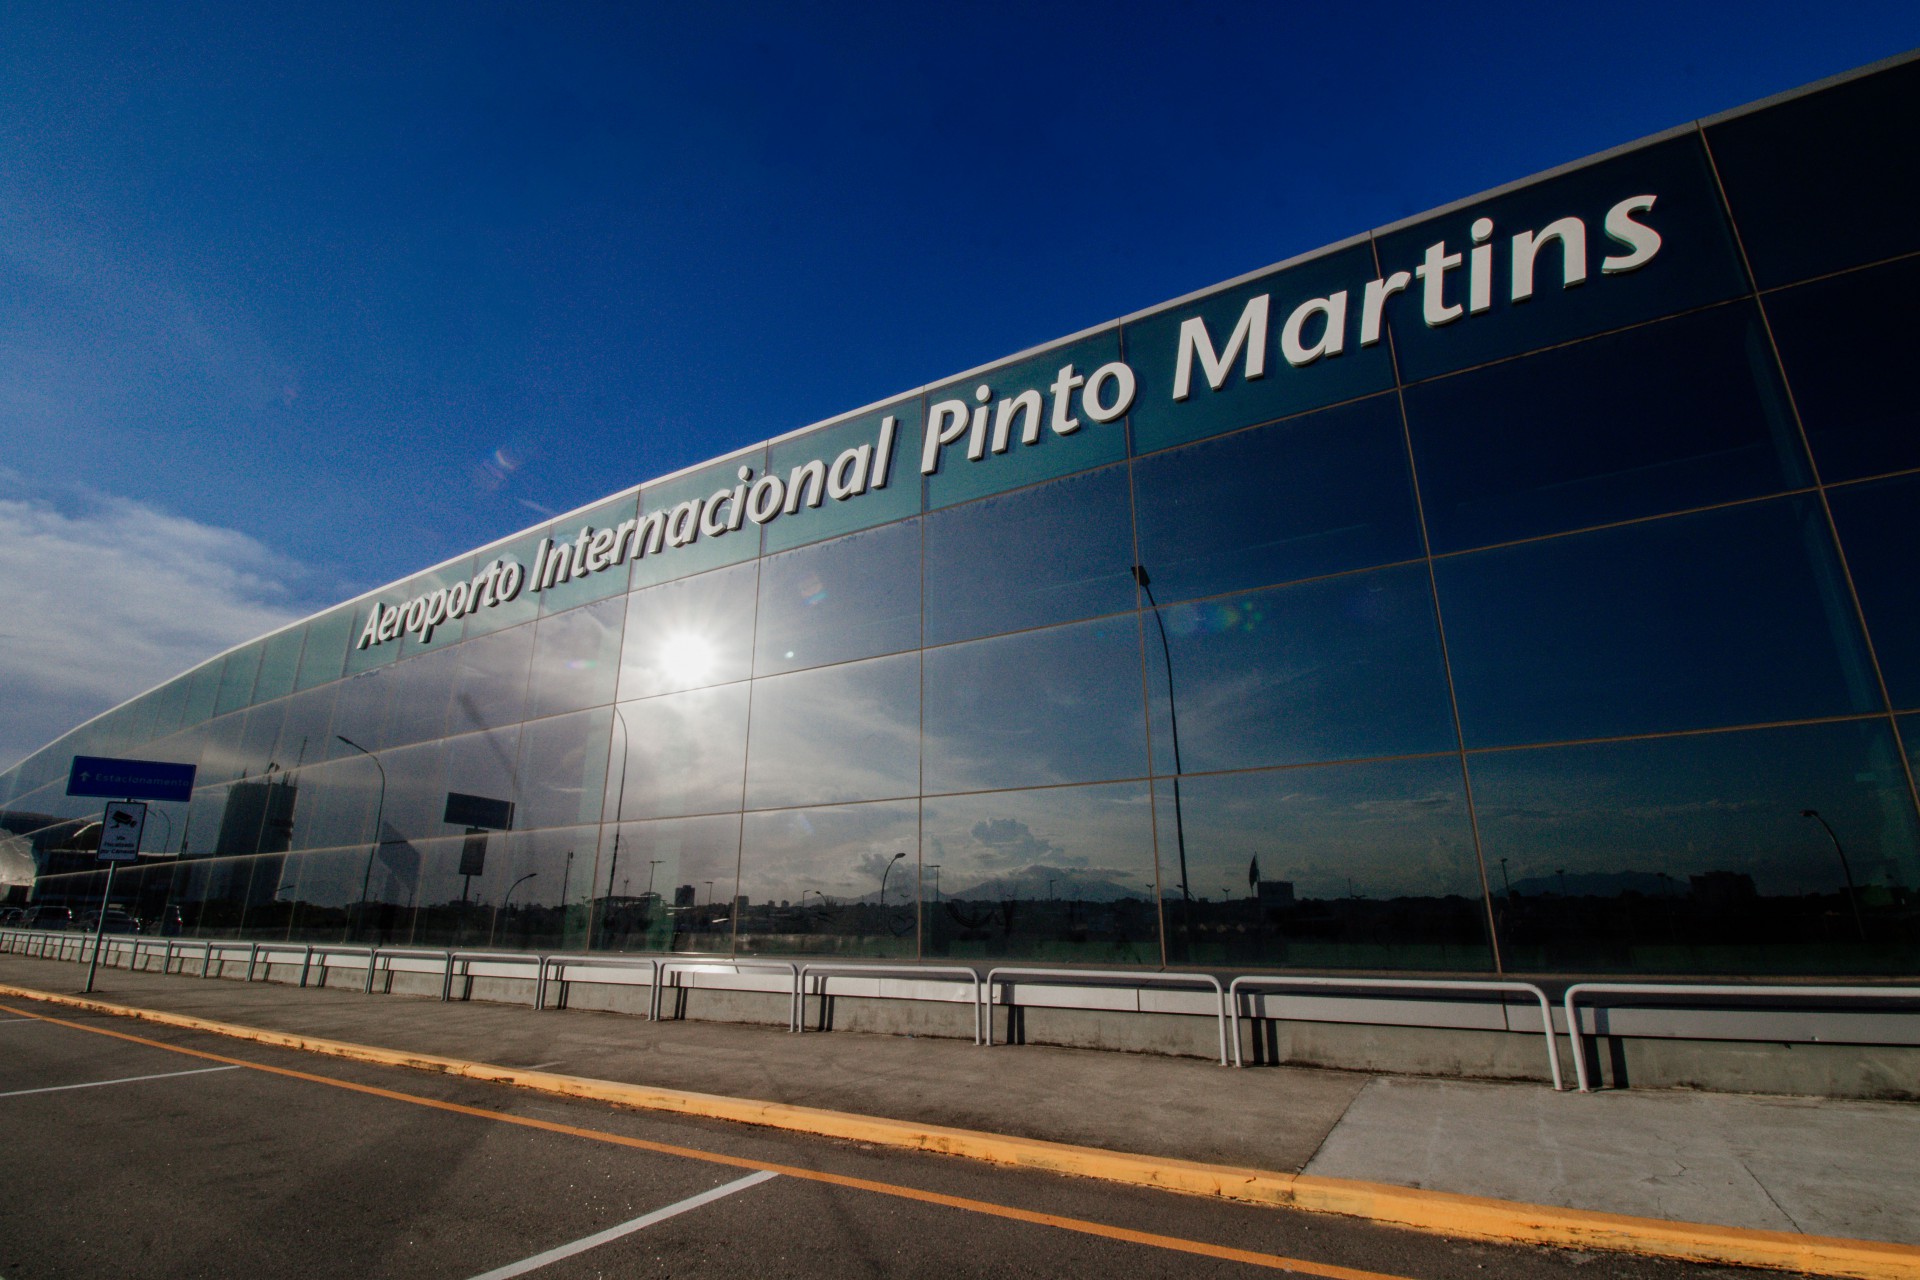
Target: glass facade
1523,588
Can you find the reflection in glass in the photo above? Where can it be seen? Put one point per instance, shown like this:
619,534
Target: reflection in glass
305,732
1062,705
1052,553
563,769
1736,616
889,497
1342,668
853,597
685,753
418,692
836,880
576,658
688,634
1313,495
1692,854
490,688
1064,874
279,665
1879,527
850,732
324,653
1347,866
667,886
237,673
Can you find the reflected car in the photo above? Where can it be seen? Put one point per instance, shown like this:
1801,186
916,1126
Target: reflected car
11,915
118,921
47,918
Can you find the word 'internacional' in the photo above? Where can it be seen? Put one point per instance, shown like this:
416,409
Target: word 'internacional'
1315,329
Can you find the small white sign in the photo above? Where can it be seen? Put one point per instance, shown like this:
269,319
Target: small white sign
120,831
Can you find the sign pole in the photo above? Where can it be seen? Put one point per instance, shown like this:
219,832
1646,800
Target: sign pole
100,929
121,827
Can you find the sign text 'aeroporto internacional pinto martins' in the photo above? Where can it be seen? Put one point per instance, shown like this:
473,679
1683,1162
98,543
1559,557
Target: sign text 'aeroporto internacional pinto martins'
1447,285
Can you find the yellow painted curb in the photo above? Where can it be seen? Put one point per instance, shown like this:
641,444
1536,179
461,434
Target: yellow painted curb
1462,1216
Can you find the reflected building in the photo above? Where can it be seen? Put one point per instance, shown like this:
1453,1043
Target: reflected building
1505,590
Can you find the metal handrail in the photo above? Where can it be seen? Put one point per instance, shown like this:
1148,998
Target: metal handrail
1709,989
466,960
392,954
1110,977
826,969
670,965
559,963
1249,982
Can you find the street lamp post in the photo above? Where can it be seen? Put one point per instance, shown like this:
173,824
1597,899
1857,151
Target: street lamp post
884,873
619,805
1859,926
1173,715
494,927
379,812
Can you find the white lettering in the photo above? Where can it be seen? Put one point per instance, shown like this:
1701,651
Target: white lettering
1333,333
945,422
1249,333
1643,241
1572,235
1092,400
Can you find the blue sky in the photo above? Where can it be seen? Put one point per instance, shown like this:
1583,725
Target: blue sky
295,300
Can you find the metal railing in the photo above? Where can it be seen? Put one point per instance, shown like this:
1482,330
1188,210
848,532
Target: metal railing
559,964
1717,991
1104,977
671,966
467,959
1273,982
825,969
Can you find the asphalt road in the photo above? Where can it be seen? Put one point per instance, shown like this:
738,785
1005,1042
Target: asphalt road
133,1150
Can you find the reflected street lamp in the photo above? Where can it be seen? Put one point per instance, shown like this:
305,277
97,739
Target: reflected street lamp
619,805
379,812
884,873
504,899
1852,901
1173,715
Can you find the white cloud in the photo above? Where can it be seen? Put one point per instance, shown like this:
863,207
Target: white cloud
102,597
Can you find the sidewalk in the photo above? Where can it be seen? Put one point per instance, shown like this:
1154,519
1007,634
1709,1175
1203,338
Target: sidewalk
1816,1167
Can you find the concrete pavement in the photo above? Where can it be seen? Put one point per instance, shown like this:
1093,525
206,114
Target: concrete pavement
1825,1168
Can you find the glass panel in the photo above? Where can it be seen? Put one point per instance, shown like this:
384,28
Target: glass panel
305,733
514,902
322,885
576,658
853,597
359,715
169,703
338,804
1846,345
849,732
202,694
1693,263
685,753
325,651
886,496
684,505
279,665
1822,182
686,634
1042,707
486,765
1738,616
1879,527
416,792
1366,866
490,688
258,739
525,604
445,633
236,679
373,654
563,769
419,690
1052,553
580,542
1063,875
1309,496
837,881
1032,447
1692,854
1339,669
1683,413
220,758
1154,346
667,886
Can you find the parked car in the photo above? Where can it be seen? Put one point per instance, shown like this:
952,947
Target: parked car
47,918
11,915
118,921
167,924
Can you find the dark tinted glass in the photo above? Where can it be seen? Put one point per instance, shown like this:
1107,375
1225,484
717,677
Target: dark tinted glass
830,879
682,502
1683,413
841,733
1695,262
685,753
1065,873
563,769
853,597
490,688
1154,346
873,497
1847,347
1738,616
1085,443
1825,181
1352,866
667,886
486,765
305,733
576,658
416,792
686,634
1312,495
1051,553
359,715
1879,527
1042,707
1691,854
1339,669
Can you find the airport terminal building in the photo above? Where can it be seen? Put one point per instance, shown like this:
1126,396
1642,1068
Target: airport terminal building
1523,588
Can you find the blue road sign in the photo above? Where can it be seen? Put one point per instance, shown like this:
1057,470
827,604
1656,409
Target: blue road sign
129,779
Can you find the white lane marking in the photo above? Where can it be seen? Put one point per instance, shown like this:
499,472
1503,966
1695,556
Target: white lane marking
626,1228
99,1084
536,1066
20,1019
